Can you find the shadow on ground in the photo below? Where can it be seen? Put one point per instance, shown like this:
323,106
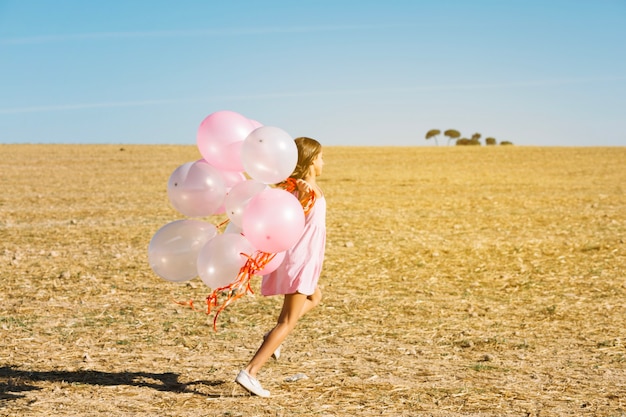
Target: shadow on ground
14,381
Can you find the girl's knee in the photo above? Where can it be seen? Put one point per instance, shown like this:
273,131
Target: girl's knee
316,297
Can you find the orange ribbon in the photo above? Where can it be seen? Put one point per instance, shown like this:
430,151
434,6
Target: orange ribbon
254,264
240,286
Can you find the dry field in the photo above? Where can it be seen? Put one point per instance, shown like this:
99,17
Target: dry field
486,281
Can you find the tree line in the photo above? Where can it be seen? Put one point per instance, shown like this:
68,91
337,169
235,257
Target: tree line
455,135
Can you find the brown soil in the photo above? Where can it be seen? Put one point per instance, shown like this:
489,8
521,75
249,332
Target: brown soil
486,281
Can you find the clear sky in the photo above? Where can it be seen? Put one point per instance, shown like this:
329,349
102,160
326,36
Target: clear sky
347,72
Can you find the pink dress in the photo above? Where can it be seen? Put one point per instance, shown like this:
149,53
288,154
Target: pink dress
301,268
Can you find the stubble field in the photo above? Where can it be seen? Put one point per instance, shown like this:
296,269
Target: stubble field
458,281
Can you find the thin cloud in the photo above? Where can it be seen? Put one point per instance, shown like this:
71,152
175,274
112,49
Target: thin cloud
98,36
86,106
319,93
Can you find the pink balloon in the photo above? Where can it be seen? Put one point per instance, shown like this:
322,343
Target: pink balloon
220,210
238,198
255,123
269,154
218,137
173,250
220,260
231,157
273,220
196,189
273,264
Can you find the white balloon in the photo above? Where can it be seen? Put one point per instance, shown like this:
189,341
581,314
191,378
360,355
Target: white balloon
238,198
269,154
173,250
196,189
233,228
220,260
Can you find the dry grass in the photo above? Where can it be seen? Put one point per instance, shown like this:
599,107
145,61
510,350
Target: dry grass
483,281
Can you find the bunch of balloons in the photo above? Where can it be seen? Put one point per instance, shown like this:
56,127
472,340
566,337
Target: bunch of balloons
241,159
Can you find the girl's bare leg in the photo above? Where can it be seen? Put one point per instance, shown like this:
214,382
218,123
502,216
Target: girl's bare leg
311,301
294,307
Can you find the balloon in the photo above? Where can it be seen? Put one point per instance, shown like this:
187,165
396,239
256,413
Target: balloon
230,159
196,189
273,264
230,178
238,198
233,228
220,210
255,123
273,220
220,260
220,138
173,250
269,154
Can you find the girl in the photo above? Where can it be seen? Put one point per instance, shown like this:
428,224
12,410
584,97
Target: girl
296,278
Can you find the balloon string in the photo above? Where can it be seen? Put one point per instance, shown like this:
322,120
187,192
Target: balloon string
308,197
186,303
240,286
225,222
254,264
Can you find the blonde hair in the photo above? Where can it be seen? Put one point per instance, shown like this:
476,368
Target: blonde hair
308,149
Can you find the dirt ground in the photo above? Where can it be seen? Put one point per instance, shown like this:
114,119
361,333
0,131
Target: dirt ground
480,281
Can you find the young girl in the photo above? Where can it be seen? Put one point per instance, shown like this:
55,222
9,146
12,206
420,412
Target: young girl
296,278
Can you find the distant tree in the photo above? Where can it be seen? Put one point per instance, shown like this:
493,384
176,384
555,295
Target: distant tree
452,134
475,140
462,142
490,141
433,133
506,142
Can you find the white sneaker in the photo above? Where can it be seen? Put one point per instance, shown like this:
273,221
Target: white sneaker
276,353
251,384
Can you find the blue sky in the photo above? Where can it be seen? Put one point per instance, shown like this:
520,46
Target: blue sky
366,73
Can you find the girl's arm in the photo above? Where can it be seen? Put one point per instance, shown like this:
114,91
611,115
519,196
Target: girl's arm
302,190
305,193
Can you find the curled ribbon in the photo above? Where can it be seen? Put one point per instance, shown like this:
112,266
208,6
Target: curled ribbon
255,263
